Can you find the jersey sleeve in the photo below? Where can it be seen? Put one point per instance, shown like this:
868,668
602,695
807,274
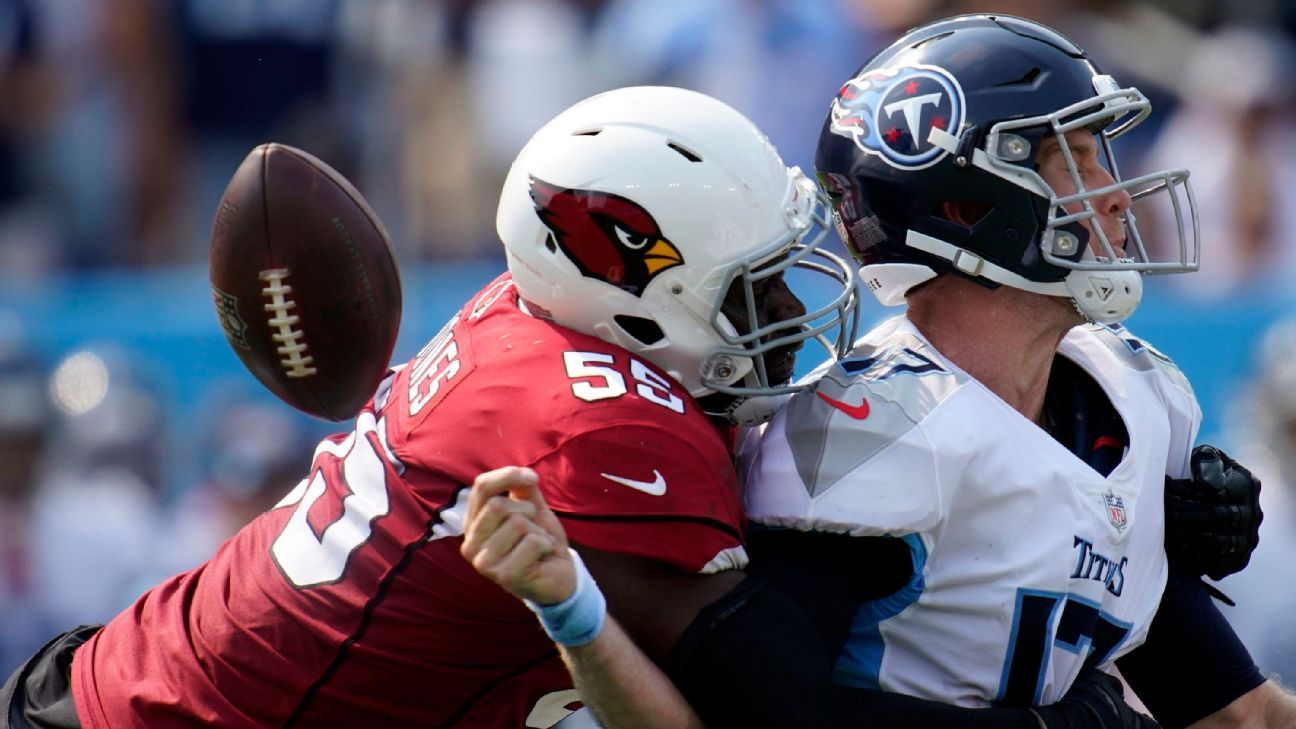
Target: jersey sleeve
644,490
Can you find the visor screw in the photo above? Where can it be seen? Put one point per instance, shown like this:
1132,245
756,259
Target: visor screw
724,371
1065,243
677,289
960,161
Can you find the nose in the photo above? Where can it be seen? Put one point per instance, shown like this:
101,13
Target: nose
781,304
1115,202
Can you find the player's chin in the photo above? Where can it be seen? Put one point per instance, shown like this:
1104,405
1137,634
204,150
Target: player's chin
780,364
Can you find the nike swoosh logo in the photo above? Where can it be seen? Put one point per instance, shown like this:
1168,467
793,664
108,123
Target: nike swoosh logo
1107,442
656,487
859,412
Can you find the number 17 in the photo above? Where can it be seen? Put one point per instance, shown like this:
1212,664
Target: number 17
1083,628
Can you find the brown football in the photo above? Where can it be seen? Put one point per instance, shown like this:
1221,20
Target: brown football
305,282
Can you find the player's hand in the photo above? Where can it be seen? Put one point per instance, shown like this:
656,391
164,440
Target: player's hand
512,538
1095,701
1212,518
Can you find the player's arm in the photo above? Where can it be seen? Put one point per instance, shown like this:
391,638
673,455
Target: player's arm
1193,671
623,686
743,653
1212,526
518,543
1266,706
754,658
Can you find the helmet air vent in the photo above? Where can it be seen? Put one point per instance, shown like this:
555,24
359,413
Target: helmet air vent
587,132
686,154
933,39
644,330
1027,79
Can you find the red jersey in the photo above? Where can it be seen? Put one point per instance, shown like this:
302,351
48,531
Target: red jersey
348,604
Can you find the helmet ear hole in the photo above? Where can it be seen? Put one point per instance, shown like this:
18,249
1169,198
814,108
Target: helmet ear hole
644,330
966,213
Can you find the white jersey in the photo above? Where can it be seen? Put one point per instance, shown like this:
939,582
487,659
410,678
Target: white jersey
1027,562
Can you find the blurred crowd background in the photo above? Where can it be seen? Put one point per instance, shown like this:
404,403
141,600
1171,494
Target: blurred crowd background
131,440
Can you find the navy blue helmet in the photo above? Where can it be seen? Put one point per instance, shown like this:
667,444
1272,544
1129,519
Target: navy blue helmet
956,112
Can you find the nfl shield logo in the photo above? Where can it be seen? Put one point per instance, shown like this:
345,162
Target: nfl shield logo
1115,510
233,325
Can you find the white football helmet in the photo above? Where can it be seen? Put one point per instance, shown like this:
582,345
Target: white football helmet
629,215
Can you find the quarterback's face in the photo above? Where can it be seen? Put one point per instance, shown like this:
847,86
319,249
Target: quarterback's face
1086,153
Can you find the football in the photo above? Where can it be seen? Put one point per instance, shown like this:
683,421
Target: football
305,282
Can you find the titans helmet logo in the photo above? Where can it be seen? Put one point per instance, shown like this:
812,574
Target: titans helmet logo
610,238
890,112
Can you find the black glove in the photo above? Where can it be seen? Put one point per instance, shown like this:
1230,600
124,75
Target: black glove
1095,701
1212,519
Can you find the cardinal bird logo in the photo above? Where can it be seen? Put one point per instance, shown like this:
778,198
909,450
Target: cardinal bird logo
610,238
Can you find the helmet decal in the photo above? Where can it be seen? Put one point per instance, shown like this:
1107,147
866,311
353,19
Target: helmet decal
610,238
889,113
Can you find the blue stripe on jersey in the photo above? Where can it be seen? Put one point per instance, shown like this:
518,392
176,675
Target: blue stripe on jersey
860,662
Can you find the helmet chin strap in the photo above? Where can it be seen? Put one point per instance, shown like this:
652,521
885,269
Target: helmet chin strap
758,409
742,409
1105,297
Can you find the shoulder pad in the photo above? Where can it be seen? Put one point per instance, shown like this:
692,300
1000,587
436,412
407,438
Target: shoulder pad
862,404
1137,354
900,368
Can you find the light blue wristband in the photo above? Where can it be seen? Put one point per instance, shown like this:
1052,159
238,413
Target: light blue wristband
578,619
